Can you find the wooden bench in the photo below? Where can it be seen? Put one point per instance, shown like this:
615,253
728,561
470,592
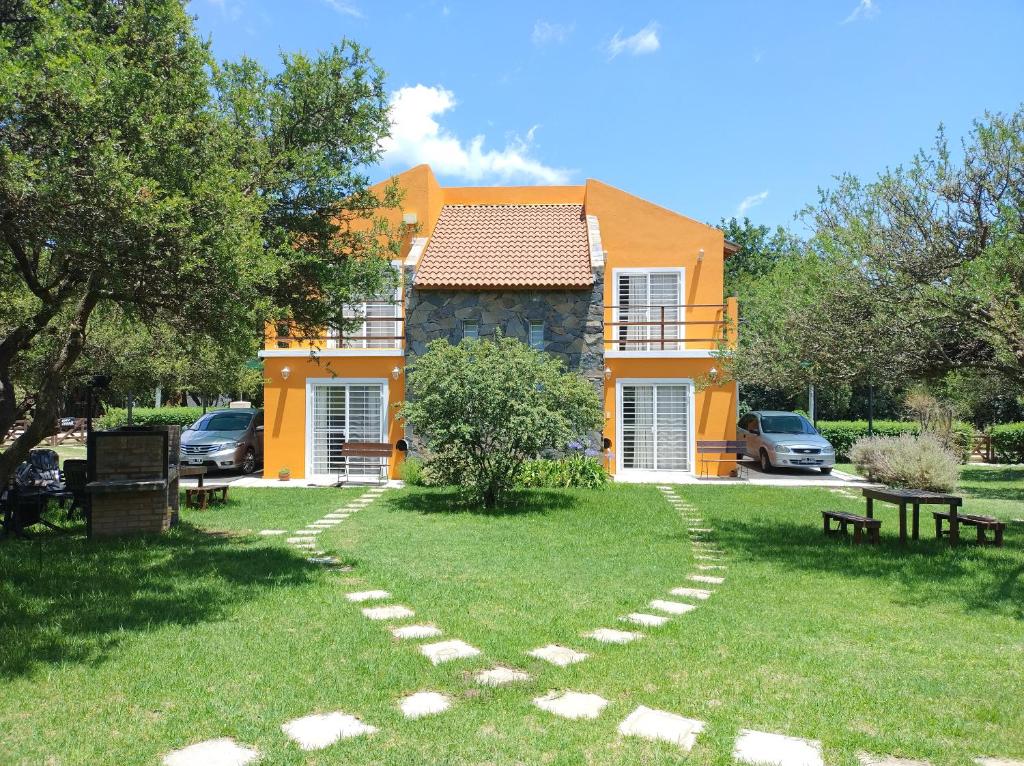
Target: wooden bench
981,523
728,452
859,524
381,451
202,496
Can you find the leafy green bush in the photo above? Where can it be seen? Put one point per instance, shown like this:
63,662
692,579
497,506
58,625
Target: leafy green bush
572,471
907,461
1008,442
842,434
413,472
149,416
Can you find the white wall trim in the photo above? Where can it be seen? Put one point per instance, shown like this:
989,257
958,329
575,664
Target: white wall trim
310,382
594,235
294,353
691,407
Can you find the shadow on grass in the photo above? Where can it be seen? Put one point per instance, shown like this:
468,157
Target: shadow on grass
978,578
66,599
978,482
452,500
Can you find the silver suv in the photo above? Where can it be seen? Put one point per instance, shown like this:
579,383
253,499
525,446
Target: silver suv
784,439
227,439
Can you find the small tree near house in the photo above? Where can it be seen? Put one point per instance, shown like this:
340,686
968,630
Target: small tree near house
485,407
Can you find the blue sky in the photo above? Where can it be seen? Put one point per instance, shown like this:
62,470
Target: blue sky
709,108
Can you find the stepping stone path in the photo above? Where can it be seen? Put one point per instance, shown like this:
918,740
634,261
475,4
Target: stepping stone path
671,607
416,631
315,732
213,752
708,567
660,725
424,703
700,593
572,705
325,560
271,533
758,747
709,579
647,620
612,636
867,759
390,612
500,676
997,762
558,655
445,651
367,595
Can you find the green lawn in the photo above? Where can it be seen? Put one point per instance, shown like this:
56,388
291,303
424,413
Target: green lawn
116,653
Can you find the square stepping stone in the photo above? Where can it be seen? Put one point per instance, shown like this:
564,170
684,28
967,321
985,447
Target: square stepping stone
326,561
272,532
324,524
701,529
445,651
308,532
572,705
367,595
390,612
424,703
416,631
499,676
998,761
315,732
700,593
647,620
336,516
612,636
867,759
671,607
212,752
709,567
558,655
709,579
301,539
758,747
662,726
306,546
705,557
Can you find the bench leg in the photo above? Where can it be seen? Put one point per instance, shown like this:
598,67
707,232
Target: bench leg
857,534
981,535
916,523
874,537
999,537
824,522
938,527
903,522
954,525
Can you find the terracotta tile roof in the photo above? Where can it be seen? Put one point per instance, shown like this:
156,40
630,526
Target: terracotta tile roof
507,246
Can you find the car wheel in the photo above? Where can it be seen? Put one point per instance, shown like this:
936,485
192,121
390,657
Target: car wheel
826,469
766,463
249,464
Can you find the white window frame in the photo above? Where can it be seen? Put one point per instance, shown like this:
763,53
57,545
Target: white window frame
690,405
359,311
311,382
531,324
475,324
635,349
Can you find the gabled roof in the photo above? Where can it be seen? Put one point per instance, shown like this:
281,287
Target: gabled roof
511,246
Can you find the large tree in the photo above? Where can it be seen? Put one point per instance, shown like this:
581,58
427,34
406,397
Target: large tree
139,175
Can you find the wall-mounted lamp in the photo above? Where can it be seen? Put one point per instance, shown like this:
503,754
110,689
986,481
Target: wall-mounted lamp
409,219
607,373
395,373
700,255
285,372
713,373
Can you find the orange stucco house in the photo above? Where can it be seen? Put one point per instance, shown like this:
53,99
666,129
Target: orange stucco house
627,293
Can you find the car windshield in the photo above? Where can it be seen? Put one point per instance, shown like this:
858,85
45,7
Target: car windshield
786,424
223,421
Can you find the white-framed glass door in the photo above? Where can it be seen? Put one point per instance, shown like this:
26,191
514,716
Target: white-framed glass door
643,299
655,426
340,412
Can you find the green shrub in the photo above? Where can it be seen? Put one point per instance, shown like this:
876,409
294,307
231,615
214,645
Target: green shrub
413,472
842,434
572,471
149,416
907,461
1008,442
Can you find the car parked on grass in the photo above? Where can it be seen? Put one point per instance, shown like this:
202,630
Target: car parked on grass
784,440
226,439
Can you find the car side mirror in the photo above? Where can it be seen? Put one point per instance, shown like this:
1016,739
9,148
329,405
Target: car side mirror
259,428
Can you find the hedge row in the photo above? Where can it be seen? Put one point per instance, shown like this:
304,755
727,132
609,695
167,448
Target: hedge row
1008,442
843,433
150,416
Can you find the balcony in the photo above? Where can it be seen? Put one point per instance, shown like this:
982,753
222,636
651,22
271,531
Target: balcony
378,330
679,330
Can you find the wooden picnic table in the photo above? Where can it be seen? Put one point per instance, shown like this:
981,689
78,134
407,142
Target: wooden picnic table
192,470
915,498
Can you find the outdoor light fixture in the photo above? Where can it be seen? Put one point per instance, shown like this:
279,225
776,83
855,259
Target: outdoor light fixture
395,373
607,373
713,373
700,255
285,372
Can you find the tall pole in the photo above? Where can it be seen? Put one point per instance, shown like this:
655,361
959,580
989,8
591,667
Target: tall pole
871,409
810,405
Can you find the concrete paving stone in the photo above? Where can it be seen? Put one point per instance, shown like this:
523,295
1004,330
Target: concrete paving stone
998,762
424,703
558,655
706,557
701,593
647,620
389,612
212,752
701,529
572,705
308,532
710,567
758,747
315,732
500,675
660,725
869,759
612,636
415,631
671,607
709,579
445,651
305,546
367,595
272,532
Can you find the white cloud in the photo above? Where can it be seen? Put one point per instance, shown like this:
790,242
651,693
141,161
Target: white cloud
345,8
752,201
644,41
545,32
866,9
230,10
417,137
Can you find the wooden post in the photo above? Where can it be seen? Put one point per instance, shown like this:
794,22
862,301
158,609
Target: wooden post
903,522
871,508
917,512
954,524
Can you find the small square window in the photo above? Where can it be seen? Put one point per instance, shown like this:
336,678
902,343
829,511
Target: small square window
470,329
537,335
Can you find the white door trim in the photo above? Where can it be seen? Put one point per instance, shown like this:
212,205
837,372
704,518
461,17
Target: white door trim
690,400
310,382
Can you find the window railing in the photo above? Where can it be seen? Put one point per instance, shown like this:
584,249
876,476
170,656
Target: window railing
376,325
654,328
